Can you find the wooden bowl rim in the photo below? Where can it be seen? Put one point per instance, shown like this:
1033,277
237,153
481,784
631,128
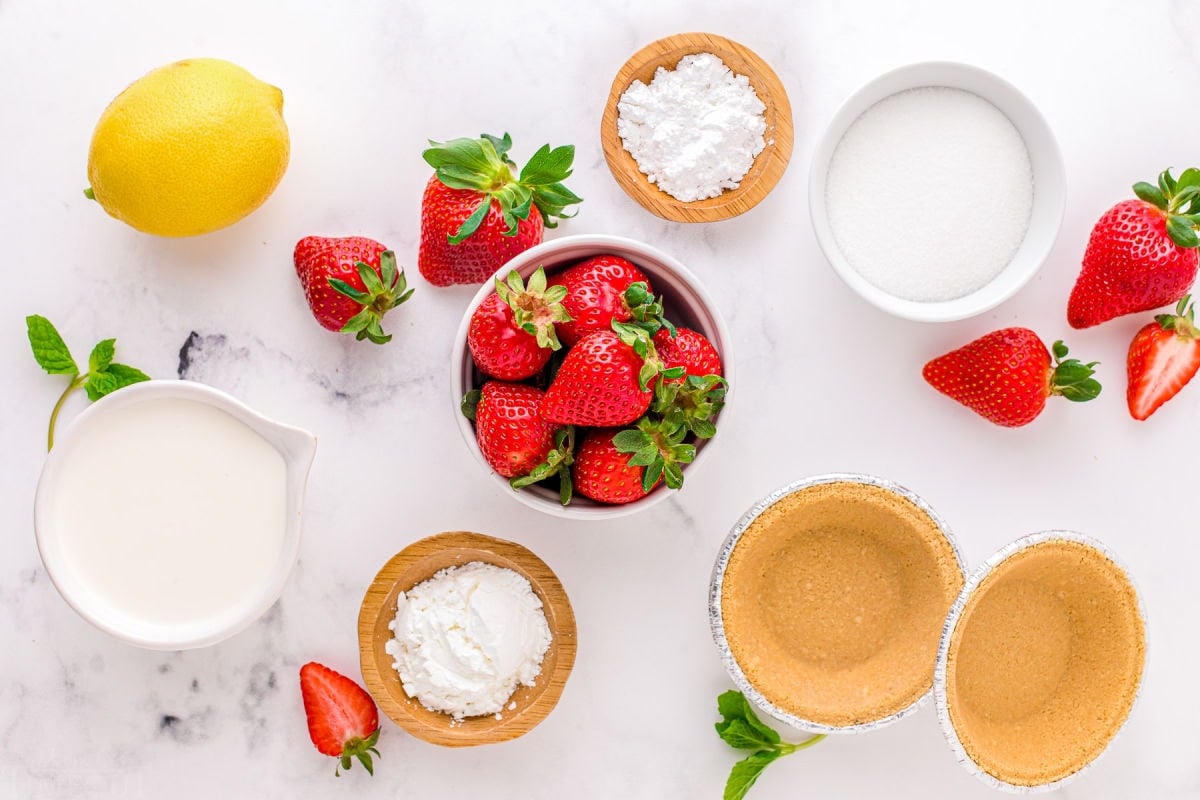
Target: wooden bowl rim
769,165
379,603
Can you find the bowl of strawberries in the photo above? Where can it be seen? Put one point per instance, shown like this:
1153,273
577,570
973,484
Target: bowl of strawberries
590,375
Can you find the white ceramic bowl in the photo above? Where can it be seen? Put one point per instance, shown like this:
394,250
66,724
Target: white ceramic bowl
295,445
686,303
1049,193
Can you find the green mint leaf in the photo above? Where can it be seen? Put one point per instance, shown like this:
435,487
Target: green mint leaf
740,735
102,355
49,349
99,384
746,712
746,772
118,376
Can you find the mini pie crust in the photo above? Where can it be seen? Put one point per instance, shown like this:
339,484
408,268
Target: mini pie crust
1044,663
833,602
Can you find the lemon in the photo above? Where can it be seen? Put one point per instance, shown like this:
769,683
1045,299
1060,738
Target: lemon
189,148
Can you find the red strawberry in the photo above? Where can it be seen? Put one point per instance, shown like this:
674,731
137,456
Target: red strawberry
342,719
602,382
512,332
602,472
596,294
687,349
1007,375
512,435
476,215
1163,357
350,283
1141,254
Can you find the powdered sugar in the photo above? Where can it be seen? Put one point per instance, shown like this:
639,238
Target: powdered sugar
694,130
929,193
465,639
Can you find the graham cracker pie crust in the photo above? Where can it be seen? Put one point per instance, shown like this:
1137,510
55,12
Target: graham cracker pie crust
833,602
1044,663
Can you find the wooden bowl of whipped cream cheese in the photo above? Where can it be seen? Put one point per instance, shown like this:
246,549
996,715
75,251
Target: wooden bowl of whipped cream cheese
489,617
686,124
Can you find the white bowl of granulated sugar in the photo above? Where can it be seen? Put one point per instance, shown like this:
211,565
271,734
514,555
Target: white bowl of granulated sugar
937,191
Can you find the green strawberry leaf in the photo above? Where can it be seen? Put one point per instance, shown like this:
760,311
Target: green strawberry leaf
1151,194
1167,183
500,145
49,349
1181,232
1189,177
341,287
471,223
470,402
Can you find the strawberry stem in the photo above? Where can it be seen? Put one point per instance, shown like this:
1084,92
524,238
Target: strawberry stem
384,291
558,462
1071,378
1179,200
535,307
482,165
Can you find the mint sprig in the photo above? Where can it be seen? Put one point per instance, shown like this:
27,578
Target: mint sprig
741,729
103,377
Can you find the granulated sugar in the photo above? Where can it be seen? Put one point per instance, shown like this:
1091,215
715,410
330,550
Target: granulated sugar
929,193
694,130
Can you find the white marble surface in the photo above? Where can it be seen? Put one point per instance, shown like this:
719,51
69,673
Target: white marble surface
826,383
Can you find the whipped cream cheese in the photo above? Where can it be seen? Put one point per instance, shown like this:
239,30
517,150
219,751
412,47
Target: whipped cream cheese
467,637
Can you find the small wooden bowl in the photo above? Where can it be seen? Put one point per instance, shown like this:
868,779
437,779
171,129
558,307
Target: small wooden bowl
768,166
418,562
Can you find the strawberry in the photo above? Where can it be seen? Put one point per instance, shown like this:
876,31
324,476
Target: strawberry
596,294
475,215
512,332
1007,375
602,383
1163,357
512,436
603,473
1141,254
350,283
687,349
342,719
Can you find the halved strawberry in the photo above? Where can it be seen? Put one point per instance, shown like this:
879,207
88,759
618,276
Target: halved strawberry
1163,357
342,719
